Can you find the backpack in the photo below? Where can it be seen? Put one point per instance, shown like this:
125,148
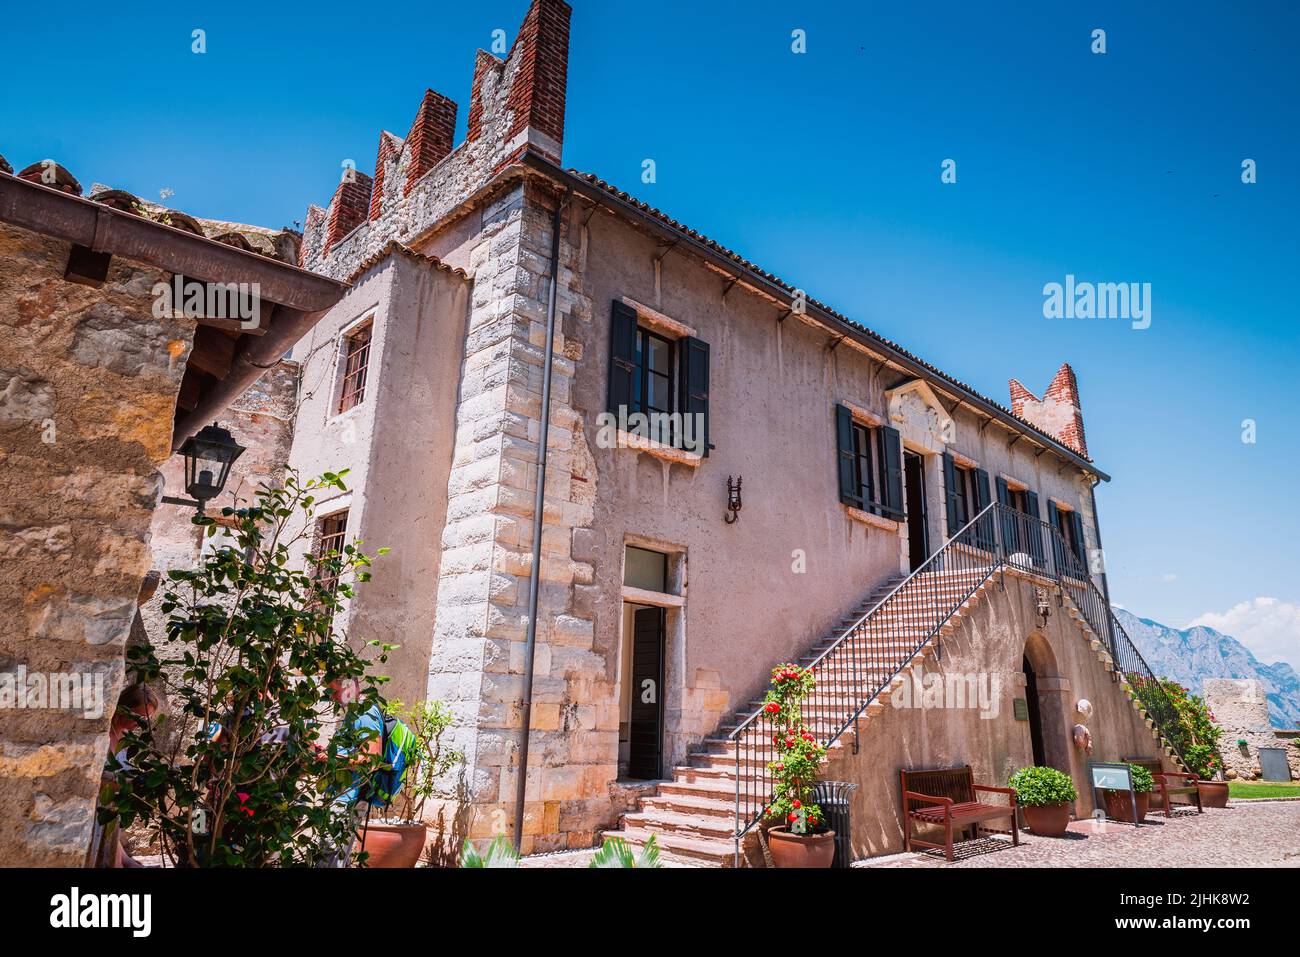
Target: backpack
397,747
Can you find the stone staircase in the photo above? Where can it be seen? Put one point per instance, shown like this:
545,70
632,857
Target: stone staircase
692,815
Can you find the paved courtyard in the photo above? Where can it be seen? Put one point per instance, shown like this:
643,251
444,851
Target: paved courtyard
1244,834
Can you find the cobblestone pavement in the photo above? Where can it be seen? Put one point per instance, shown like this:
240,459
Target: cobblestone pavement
1244,834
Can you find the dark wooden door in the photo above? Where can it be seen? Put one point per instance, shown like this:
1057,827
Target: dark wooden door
1035,715
645,730
918,535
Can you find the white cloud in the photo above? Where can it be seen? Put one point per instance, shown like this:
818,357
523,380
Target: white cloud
1268,627
1169,578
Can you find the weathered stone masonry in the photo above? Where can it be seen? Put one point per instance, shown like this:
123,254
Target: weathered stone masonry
473,210
88,384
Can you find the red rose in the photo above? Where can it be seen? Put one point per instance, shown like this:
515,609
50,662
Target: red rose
796,805
772,707
789,741
793,817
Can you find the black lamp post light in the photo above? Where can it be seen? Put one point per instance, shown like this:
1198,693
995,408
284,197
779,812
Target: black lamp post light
208,457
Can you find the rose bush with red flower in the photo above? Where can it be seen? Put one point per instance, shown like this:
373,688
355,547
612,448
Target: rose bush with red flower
798,755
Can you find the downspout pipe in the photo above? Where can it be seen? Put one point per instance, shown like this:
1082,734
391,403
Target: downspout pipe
539,501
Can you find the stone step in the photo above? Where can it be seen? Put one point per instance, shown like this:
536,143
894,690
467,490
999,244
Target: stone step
701,786
707,826
690,804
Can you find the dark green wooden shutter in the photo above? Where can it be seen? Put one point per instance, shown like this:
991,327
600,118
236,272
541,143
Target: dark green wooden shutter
891,471
622,357
1054,520
983,531
1010,541
850,490
1032,529
693,382
1077,522
1004,492
950,479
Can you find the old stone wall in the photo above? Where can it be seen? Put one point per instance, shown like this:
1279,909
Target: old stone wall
88,385
1240,708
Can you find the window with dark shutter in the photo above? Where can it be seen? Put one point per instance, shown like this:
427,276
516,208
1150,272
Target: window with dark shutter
693,380
643,365
891,472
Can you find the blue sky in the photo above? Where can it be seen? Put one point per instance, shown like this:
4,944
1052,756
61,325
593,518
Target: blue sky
825,168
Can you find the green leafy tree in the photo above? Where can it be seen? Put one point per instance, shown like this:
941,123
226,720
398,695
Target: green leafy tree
253,777
799,756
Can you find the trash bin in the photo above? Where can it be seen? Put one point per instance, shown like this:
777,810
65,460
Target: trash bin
833,798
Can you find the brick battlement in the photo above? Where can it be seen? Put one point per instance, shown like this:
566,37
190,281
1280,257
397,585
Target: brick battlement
516,105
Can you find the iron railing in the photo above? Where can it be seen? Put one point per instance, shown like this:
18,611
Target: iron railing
876,647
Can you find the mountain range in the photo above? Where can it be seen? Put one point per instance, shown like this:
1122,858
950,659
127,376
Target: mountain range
1190,655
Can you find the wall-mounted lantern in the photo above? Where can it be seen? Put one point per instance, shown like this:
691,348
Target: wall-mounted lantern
733,500
208,457
1044,606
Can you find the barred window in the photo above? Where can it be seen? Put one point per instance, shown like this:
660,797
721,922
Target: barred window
330,534
356,361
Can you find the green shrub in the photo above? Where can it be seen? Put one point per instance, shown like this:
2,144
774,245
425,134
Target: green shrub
1142,781
1042,787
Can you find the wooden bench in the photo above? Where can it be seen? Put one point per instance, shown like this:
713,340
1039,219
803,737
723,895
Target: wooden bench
947,797
1169,783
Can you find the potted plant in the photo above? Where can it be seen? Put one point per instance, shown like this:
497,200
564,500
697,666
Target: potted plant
796,833
1119,805
1046,795
397,839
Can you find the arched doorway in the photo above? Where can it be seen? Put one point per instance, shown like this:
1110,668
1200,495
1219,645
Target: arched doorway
1046,692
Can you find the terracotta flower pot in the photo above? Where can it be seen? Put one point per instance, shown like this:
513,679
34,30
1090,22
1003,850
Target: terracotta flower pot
1048,820
392,845
1213,793
801,850
1119,807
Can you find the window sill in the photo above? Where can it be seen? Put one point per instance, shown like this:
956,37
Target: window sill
876,521
659,599
669,453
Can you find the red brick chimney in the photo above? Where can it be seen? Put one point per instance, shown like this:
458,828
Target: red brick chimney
537,94
430,139
349,207
1058,412
389,147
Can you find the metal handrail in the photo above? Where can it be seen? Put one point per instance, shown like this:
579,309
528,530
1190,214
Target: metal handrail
871,651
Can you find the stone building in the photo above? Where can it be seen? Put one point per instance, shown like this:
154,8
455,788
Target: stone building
660,610
98,386
1249,741
474,323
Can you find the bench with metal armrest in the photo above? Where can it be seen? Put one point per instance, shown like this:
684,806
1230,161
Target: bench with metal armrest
948,798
